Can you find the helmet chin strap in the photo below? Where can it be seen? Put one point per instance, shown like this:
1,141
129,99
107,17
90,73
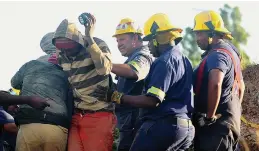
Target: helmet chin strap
210,35
158,50
155,44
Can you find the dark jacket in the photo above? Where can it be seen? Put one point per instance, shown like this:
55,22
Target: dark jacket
48,81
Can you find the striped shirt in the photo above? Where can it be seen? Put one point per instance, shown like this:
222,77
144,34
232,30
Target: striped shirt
89,68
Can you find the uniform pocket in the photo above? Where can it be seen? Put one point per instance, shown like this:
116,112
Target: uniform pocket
146,127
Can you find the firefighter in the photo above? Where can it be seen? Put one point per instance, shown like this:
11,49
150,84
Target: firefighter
218,86
130,76
167,100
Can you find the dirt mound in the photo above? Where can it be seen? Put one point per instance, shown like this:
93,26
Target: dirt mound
250,106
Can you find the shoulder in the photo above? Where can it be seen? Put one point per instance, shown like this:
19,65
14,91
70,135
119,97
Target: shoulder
34,62
217,55
144,54
99,41
161,63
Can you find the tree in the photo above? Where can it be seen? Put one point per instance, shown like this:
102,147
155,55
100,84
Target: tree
191,49
232,18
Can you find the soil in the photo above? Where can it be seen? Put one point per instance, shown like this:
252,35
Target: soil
250,107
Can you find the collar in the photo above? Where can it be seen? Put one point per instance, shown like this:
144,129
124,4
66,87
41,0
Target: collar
212,47
135,51
169,48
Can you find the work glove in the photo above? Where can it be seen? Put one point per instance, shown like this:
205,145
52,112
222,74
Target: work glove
110,95
202,120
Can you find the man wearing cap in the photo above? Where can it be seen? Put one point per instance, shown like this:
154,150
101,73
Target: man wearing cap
167,101
47,129
130,77
218,85
87,62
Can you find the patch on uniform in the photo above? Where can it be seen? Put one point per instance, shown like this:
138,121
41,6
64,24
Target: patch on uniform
138,62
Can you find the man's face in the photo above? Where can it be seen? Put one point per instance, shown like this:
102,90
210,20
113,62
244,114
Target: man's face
126,44
153,49
202,39
69,47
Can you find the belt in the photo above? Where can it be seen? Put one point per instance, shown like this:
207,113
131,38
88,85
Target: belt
30,115
83,112
179,121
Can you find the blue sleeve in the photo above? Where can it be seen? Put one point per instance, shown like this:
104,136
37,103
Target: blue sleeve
218,60
5,117
159,80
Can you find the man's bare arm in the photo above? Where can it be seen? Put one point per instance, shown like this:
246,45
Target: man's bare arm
33,101
214,91
124,70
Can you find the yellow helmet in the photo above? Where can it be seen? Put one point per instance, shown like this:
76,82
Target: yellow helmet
210,21
158,23
167,37
127,25
14,91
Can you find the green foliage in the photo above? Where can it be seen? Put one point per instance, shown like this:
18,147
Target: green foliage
233,18
190,47
116,135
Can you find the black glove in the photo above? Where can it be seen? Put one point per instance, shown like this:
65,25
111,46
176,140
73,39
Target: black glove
110,95
202,120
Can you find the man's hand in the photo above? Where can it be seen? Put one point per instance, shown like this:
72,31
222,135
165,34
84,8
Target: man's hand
38,103
89,26
12,109
110,94
202,120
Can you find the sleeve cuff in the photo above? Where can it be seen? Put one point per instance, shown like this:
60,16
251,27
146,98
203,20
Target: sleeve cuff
135,65
153,91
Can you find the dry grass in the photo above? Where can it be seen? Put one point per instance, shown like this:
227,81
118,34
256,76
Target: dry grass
250,105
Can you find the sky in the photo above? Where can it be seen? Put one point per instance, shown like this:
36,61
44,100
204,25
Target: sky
23,24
